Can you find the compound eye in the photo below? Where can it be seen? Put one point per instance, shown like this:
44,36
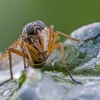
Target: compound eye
30,29
41,24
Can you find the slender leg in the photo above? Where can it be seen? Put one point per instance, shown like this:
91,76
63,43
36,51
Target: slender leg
63,58
35,52
67,36
10,63
10,66
23,56
27,52
31,54
51,35
91,38
35,56
54,39
40,45
11,50
17,52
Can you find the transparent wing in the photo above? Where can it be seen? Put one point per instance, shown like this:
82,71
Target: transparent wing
4,60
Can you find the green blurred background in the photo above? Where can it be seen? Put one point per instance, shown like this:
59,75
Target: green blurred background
65,15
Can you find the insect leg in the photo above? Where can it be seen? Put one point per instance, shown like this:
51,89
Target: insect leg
54,39
23,55
67,36
34,54
28,53
31,55
63,59
51,35
10,65
76,39
10,62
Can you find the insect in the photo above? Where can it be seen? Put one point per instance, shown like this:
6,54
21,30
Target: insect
35,46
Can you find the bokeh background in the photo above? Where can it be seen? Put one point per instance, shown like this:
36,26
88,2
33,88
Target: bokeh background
65,15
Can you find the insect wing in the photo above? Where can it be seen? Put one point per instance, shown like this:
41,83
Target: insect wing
4,60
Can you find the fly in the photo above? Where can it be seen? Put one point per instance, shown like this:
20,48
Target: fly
35,46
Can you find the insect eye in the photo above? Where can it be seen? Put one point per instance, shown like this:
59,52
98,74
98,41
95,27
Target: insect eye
30,29
41,24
